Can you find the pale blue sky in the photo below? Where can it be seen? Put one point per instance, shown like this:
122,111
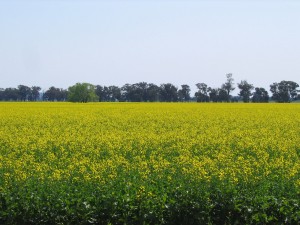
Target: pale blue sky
116,42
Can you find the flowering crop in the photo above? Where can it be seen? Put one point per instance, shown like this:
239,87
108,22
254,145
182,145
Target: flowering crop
149,163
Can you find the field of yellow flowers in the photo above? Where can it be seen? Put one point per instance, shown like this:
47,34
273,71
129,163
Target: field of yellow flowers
149,163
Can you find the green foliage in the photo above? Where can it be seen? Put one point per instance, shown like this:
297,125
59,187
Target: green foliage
284,91
245,90
260,95
228,86
117,202
202,94
82,92
55,94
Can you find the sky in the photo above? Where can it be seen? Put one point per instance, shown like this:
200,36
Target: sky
59,43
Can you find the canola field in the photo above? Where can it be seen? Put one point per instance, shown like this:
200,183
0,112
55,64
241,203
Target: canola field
149,163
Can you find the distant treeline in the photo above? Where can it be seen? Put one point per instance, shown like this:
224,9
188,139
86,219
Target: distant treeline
284,91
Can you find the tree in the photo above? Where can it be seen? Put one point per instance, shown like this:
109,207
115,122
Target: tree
245,90
142,91
202,93
260,95
35,93
153,92
82,92
55,94
168,93
284,91
24,92
11,94
99,90
228,86
127,92
115,94
62,95
1,94
102,93
135,92
184,93
213,94
223,95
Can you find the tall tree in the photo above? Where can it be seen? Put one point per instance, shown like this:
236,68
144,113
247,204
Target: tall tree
202,93
82,92
62,94
99,92
223,95
55,94
284,91
213,94
260,95
135,92
184,93
115,93
35,93
245,90
50,94
168,93
11,94
142,91
24,92
228,86
103,93
127,92
153,92
2,94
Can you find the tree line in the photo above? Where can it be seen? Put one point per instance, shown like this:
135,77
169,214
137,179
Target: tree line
283,91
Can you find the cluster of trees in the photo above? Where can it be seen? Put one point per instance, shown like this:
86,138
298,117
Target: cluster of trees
284,91
144,92
22,93
25,93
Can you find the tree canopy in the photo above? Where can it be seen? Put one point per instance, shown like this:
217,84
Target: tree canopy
245,90
283,91
82,92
